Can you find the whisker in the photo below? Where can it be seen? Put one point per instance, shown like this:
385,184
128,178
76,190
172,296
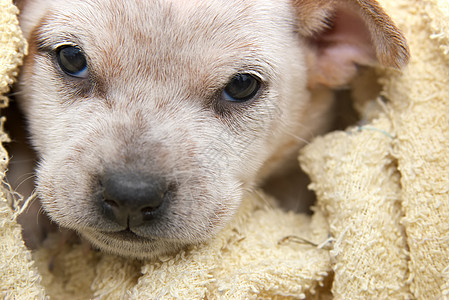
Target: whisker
32,177
15,93
22,161
298,138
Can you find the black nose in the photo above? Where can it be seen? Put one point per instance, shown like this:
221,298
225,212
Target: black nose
130,199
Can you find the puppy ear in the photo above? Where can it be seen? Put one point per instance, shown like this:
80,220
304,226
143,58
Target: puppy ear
19,3
344,34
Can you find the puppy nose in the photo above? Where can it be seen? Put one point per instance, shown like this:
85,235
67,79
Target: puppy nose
130,199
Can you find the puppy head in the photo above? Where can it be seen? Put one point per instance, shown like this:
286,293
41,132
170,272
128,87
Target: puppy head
151,117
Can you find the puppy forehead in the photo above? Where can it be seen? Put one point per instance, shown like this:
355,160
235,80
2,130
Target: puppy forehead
121,37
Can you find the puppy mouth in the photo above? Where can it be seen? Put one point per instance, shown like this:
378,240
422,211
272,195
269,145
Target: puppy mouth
126,235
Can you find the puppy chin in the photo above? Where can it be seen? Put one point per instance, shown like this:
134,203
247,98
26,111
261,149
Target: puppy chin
130,245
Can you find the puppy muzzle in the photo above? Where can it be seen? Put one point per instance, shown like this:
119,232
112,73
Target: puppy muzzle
132,199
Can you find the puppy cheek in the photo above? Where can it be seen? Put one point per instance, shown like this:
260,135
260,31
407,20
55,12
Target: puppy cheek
213,207
64,191
51,190
219,195
225,204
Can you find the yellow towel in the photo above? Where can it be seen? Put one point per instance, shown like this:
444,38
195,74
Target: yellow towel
385,186
250,258
382,192
19,277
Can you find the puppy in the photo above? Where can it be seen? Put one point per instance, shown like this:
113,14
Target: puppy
152,117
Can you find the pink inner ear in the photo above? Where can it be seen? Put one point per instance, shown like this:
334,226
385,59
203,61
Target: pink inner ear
341,48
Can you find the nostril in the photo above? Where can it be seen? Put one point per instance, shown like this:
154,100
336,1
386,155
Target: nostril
148,210
148,213
111,204
113,211
133,198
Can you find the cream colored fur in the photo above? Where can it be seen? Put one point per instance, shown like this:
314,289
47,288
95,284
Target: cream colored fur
382,188
152,103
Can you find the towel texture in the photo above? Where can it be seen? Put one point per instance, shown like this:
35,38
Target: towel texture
249,259
19,276
381,224
385,187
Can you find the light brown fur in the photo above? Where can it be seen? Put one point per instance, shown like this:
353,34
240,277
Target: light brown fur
152,102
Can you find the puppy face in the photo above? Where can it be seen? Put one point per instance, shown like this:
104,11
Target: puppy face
152,117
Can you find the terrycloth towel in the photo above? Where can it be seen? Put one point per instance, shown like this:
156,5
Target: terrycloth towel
19,278
384,187
382,192
250,259
265,252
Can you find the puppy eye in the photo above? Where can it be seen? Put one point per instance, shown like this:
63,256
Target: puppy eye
241,88
72,61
